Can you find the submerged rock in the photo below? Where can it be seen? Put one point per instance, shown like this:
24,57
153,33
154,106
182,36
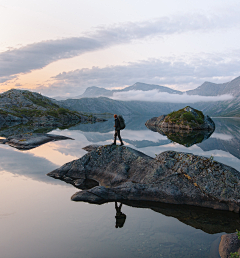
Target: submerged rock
187,118
29,141
124,174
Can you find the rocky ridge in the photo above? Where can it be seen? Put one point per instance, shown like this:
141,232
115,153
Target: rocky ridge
24,106
119,173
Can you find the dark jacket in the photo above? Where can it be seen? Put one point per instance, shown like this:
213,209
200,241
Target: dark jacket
117,124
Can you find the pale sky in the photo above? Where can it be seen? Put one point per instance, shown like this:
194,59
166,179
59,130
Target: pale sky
60,48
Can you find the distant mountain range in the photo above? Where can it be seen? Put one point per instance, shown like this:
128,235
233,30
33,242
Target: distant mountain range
213,89
95,92
126,108
228,108
206,89
97,100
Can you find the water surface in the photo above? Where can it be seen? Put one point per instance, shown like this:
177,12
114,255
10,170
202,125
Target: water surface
38,219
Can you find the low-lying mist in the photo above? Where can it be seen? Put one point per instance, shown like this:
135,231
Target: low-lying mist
156,96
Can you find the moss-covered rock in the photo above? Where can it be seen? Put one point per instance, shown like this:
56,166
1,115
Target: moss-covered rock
186,118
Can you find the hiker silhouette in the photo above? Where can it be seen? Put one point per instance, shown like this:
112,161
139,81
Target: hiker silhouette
117,126
120,217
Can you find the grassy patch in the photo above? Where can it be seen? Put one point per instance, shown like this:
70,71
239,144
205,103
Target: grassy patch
185,117
53,113
28,112
40,101
2,112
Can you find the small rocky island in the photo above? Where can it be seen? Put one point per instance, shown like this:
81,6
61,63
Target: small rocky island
187,118
119,173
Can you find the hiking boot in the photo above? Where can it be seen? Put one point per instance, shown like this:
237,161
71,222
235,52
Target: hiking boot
121,144
113,143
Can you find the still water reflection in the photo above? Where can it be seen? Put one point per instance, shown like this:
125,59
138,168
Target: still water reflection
37,218
183,137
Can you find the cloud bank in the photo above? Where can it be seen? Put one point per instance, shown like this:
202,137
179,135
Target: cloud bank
156,96
38,55
184,75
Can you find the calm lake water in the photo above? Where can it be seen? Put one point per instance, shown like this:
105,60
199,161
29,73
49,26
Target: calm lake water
38,219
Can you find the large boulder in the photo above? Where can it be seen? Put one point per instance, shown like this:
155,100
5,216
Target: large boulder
120,173
187,118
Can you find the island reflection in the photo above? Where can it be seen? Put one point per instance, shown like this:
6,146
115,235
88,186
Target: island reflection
183,137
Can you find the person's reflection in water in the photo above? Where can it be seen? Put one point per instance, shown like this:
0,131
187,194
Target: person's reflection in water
120,217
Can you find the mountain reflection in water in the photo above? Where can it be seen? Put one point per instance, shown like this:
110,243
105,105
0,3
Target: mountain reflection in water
226,137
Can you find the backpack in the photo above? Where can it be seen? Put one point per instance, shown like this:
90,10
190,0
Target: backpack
121,122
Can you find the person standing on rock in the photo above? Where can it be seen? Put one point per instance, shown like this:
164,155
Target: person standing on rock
117,130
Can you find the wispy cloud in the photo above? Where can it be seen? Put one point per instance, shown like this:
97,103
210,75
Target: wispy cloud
38,55
7,78
165,26
156,96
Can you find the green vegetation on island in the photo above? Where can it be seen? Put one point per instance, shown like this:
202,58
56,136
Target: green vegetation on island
185,116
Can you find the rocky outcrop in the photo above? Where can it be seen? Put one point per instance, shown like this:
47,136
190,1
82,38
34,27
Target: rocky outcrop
30,107
229,244
124,174
187,118
29,141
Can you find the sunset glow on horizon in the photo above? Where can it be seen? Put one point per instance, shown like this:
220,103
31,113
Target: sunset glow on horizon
60,48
